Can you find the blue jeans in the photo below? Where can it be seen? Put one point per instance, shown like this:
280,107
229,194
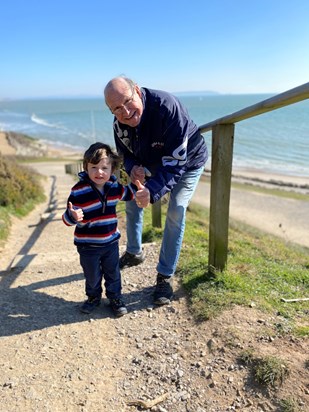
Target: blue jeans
175,223
100,262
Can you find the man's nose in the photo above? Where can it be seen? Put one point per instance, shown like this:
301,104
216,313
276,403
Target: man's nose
126,110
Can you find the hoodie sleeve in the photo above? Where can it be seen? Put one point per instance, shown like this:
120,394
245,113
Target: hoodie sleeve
66,217
128,192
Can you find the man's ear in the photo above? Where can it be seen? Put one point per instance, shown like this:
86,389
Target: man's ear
138,90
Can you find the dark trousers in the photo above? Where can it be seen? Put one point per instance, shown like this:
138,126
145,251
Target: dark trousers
101,262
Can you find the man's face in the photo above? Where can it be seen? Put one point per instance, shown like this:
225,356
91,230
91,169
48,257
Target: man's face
125,103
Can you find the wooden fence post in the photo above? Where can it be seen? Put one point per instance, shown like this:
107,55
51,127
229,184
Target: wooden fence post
220,190
156,214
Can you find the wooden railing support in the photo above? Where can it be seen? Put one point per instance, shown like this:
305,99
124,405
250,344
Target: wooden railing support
221,177
156,214
74,168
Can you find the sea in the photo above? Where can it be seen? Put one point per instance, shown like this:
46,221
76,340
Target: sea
274,142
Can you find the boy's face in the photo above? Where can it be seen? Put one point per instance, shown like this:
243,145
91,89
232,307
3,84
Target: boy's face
100,173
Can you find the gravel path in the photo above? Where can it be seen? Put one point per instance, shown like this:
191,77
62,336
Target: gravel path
53,358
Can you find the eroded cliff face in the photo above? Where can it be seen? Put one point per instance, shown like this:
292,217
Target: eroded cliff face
23,145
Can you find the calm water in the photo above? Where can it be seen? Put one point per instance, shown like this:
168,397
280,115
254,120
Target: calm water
275,142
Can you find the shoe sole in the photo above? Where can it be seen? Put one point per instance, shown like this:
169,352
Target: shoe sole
122,313
162,301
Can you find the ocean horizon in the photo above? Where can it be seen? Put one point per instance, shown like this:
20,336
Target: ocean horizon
274,142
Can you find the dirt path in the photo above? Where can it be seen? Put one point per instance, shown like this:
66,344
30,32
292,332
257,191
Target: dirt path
53,358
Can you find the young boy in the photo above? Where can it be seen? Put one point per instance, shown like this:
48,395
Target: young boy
91,207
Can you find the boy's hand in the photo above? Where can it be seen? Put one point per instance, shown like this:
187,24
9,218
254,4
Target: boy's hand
76,214
142,196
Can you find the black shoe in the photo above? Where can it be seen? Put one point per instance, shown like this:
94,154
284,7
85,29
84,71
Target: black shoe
90,304
127,259
118,307
164,290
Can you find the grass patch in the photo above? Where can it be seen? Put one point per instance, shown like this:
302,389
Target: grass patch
261,270
301,331
289,405
5,224
268,371
46,159
290,194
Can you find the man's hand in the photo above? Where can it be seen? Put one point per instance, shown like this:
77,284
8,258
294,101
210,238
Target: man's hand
142,196
137,173
76,214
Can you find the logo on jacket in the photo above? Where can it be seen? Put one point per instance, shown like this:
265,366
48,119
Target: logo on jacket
157,145
179,155
123,135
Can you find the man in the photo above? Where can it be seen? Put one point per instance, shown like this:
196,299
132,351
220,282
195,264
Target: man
163,150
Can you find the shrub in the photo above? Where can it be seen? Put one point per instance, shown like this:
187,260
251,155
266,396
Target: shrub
18,184
271,371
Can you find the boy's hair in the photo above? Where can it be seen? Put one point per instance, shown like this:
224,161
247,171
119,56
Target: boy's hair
99,150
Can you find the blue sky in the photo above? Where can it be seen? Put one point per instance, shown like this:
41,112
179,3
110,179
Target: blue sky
73,47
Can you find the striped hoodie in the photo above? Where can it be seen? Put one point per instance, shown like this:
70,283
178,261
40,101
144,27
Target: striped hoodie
99,226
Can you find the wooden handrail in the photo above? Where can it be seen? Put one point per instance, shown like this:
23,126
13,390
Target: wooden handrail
223,131
280,100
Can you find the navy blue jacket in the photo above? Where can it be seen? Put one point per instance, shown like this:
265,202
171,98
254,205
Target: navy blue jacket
166,141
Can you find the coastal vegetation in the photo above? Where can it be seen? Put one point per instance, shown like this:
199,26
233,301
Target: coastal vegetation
20,191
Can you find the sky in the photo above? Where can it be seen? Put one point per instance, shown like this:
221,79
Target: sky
72,48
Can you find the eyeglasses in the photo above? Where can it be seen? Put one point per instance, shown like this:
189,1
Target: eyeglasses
119,109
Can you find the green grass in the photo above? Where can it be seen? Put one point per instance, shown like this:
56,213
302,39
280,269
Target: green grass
289,405
270,371
261,270
5,224
44,159
273,191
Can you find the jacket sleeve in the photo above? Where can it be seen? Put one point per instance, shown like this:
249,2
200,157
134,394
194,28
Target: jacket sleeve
174,160
66,217
123,147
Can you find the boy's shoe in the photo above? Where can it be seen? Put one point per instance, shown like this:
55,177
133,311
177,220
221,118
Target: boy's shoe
128,259
118,307
164,290
90,304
